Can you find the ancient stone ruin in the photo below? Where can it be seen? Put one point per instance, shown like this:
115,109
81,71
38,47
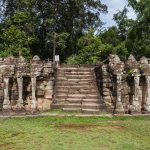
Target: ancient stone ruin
25,86
117,87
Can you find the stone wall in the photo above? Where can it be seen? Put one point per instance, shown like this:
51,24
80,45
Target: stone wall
125,86
25,85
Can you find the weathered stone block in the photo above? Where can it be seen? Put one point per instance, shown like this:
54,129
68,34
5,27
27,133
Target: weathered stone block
107,99
40,93
106,90
107,80
46,105
40,85
48,94
140,92
50,85
107,85
1,93
106,93
105,75
125,91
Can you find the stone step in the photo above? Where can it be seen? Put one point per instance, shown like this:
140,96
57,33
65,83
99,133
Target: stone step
76,88
78,66
75,84
91,111
82,69
81,96
78,105
75,75
87,90
79,100
56,106
73,105
87,111
75,80
73,100
81,87
71,90
75,72
69,100
66,91
66,77
75,69
60,101
91,100
92,106
71,109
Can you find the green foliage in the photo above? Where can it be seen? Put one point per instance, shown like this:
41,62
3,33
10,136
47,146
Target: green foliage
139,39
14,42
131,72
121,50
118,36
57,39
35,27
91,50
110,36
130,36
73,60
53,24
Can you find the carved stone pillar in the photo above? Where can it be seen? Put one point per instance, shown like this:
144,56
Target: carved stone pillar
34,101
119,105
147,103
136,106
6,103
20,90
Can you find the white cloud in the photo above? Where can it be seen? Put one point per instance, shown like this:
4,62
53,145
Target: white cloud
113,7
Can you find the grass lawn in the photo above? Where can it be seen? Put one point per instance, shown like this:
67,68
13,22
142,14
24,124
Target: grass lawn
75,133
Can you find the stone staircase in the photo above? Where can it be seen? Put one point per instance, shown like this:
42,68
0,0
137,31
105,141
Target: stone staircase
76,90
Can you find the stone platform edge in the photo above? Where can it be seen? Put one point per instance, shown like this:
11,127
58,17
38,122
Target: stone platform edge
73,115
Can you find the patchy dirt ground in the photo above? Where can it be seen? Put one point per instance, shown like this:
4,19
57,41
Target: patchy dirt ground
75,133
87,127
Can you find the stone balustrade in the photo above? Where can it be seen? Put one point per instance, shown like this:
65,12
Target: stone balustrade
29,86
129,90
25,86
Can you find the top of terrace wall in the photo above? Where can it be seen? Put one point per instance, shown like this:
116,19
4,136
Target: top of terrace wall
131,66
11,66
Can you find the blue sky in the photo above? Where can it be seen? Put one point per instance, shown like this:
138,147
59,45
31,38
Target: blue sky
113,7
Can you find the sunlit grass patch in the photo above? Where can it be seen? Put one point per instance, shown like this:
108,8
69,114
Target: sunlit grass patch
75,133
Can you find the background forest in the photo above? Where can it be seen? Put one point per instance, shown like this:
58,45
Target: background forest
72,28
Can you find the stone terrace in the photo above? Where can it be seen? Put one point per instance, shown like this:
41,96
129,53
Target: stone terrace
76,90
117,87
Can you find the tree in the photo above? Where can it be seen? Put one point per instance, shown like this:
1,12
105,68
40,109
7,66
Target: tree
121,50
123,23
41,19
15,41
139,39
110,36
91,50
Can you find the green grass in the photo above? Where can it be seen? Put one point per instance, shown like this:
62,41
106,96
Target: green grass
75,133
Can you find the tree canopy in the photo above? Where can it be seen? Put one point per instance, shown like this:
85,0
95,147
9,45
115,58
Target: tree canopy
72,29
42,20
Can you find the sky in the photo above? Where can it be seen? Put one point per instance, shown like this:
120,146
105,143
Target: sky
113,7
